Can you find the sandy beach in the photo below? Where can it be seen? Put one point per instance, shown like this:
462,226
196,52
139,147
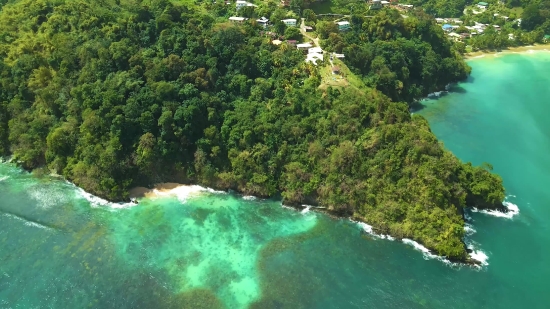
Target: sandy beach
164,189
511,50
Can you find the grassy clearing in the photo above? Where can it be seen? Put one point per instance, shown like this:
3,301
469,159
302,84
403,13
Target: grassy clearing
517,10
345,79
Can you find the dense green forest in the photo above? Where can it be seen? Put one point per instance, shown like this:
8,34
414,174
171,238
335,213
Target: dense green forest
405,58
442,8
115,94
519,22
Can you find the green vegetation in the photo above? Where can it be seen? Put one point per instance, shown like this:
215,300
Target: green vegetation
442,8
124,93
335,6
517,26
405,58
508,23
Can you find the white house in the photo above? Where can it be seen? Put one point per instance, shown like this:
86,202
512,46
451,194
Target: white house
304,46
343,25
263,21
482,5
237,19
440,20
239,4
406,6
314,57
291,22
315,50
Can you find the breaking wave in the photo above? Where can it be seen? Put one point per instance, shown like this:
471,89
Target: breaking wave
369,230
27,222
426,253
477,254
437,94
99,202
182,192
469,229
2,178
513,210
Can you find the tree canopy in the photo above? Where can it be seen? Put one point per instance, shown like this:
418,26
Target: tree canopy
116,94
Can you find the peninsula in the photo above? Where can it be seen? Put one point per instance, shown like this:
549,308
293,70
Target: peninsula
245,96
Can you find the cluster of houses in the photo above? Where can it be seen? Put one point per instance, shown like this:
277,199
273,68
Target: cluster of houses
240,4
290,22
478,28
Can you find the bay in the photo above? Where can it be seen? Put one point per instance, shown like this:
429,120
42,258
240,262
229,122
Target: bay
60,248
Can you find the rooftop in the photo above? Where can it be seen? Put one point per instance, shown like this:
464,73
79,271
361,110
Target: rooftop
317,50
313,58
236,18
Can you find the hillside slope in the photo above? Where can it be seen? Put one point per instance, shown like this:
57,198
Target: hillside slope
123,93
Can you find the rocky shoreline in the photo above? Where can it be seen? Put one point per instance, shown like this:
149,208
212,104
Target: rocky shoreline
168,188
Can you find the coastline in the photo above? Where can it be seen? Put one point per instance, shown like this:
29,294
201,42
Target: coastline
167,189
509,50
184,191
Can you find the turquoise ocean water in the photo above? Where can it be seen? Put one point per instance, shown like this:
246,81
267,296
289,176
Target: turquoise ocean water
61,248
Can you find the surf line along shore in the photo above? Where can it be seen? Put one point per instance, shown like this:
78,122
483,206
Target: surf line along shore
509,50
181,191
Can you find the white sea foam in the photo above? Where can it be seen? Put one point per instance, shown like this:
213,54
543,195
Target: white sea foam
436,94
27,223
512,211
469,229
249,198
34,224
479,256
369,230
2,178
182,193
287,207
306,209
47,196
426,253
96,201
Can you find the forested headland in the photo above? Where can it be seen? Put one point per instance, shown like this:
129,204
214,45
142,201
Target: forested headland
117,94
